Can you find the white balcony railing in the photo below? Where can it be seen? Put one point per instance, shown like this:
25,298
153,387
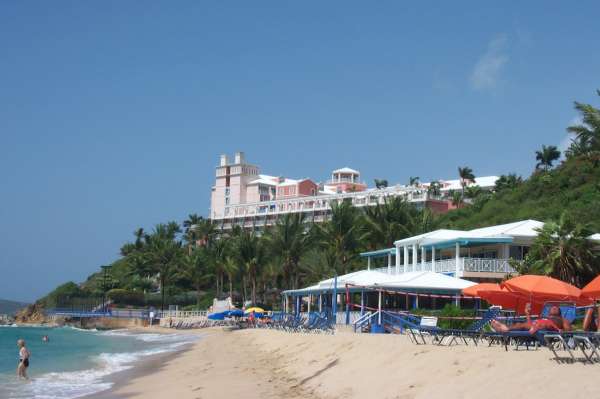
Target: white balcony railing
468,265
320,202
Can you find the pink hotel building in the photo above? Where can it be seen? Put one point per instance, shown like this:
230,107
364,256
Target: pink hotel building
242,196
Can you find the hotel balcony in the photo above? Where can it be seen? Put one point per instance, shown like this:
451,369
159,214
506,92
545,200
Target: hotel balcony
319,202
461,267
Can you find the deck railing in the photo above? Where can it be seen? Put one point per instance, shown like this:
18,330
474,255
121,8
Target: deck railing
465,264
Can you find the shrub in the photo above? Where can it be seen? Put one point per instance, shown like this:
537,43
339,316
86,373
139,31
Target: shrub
124,297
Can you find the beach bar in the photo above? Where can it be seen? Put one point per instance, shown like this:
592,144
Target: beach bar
370,290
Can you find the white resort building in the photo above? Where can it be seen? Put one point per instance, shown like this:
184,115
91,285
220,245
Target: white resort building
243,196
426,270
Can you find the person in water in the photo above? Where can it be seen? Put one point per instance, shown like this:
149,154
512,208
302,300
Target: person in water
24,355
45,338
554,321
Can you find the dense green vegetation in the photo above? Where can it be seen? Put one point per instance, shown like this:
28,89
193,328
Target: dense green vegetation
180,264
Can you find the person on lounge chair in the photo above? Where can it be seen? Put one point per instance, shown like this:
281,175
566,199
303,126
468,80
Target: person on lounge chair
591,321
554,322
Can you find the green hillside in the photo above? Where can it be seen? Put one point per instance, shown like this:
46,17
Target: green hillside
572,187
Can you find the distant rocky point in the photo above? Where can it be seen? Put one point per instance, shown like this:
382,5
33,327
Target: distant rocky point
11,307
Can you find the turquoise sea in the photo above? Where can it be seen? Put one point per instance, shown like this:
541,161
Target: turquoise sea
74,362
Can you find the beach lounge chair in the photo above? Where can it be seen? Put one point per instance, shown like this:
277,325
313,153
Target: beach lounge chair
419,329
552,339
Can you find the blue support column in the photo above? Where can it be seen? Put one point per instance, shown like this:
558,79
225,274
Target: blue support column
347,311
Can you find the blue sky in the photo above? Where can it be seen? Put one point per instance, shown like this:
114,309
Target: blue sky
113,114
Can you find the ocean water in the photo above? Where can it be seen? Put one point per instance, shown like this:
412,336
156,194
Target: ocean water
75,362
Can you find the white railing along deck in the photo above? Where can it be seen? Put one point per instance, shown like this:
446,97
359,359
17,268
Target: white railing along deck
181,314
466,264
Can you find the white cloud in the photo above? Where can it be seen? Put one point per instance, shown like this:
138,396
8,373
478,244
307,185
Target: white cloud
487,70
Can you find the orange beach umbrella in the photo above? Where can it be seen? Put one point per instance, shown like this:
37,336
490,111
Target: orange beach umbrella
474,289
543,287
539,289
592,290
494,294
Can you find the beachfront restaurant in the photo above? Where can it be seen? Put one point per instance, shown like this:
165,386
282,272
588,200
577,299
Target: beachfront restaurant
371,290
426,270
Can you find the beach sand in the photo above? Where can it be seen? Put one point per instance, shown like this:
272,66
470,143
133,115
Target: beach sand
273,364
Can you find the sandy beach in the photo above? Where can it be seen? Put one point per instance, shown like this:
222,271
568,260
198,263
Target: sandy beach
273,364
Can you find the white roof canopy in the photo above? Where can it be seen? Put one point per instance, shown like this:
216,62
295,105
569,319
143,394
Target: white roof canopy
412,281
346,170
499,233
427,281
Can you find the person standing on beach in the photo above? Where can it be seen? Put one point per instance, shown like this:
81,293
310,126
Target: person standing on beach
23,359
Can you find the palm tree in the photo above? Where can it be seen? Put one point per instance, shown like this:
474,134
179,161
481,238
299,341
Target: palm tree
163,254
318,265
195,267
250,253
473,192
435,189
466,177
456,198
230,268
546,157
288,240
217,253
387,222
413,181
340,235
507,182
191,225
562,250
587,133
381,183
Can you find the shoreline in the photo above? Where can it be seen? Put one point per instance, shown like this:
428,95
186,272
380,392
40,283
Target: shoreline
274,364
147,366
144,366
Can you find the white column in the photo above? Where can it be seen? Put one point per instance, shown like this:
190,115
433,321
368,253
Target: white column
389,263
379,309
405,258
432,258
414,255
457,251
505,251
309,301
397,260
423,258
320,303
368,263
